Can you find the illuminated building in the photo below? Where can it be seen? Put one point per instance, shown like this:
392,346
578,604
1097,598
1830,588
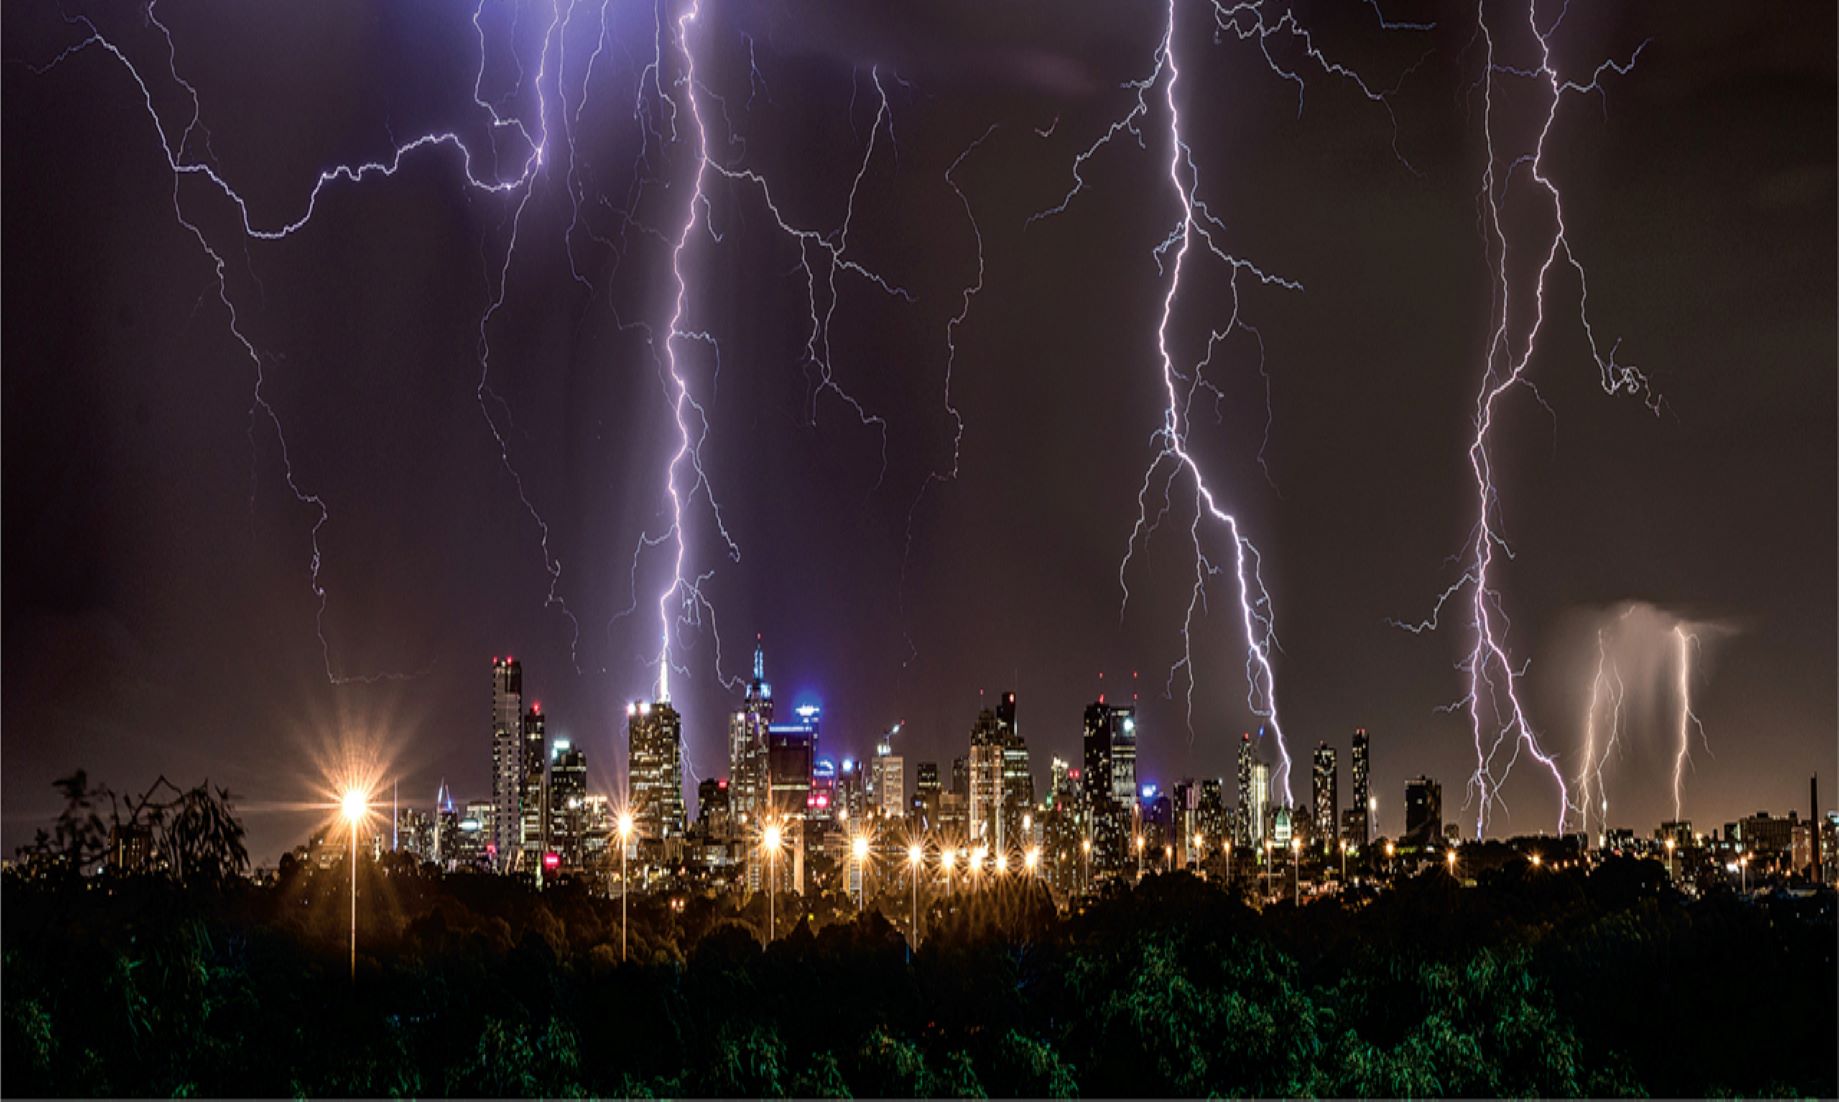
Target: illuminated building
926,794
1017,794
985,807
474,840
654,775
567,803
1123,752
1242,811
1363,795
1423,812
791,753
888,778
502,835
532,806
747,743
1258,809
852,791
1327,796
714,807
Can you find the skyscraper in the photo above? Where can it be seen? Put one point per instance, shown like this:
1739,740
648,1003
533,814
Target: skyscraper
1363,796
1242,810
927,793
1017,778
1096,775
1327,796
567,802
986,778
791,754
654,773
532,807
1423,812
747,743
888,778
1124,753
501,841
1258,808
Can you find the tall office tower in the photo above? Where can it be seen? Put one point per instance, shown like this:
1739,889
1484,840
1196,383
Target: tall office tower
501,841
1327,797
1242,810
825,798
961,777
851,791
476,830
567,802
1017,777
1124,753
986,779
888,778
1096,749
1423,812
747,743
1363,796
1058,775
532,807
654,774
791,754
927,793
1210,815
1258,808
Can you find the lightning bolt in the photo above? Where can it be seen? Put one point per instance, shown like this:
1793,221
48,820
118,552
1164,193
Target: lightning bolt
1688,719
822,258
183,165
1200,234
1607,680
1498,718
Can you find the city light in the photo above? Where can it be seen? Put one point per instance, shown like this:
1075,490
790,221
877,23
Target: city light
1032,858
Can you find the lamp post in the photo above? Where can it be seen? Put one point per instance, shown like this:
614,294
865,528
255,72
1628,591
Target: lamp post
1388,857
1450,858
354,809
1031,860
1168,857
1229,862
771,841
916,856
1139,857
977,858
1085,859
947,857
1743,870
858,849
1296,878
1267,868
1670,844
625,842
1200,853
1343,863
1536,859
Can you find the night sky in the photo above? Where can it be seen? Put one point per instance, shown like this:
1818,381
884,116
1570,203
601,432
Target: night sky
158,613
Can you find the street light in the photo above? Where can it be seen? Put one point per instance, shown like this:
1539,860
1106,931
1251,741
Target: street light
625,839
947,857
1670,844
354,808
1229,862
1450,857
1388,857
771,841
1085,857
1031,859
1002,862
1296,877
858,848
1139,857
1344,862
1267,868
977,859
916,856
1168,856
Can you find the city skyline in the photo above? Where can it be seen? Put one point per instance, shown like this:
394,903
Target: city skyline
163,575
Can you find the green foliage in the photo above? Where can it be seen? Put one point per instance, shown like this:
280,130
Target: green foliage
477,986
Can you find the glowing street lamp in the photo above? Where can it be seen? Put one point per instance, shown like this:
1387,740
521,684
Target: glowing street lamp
1296,878
1002,862
1085,857
1536,860
947,858
1670,844
1228,848
1139,857
354,807
1450,858
625,839
916,856
1267,868
1388,857
1344,862
770,840
977,858
1032,859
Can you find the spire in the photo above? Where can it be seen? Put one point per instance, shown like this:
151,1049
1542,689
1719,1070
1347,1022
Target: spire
759,658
